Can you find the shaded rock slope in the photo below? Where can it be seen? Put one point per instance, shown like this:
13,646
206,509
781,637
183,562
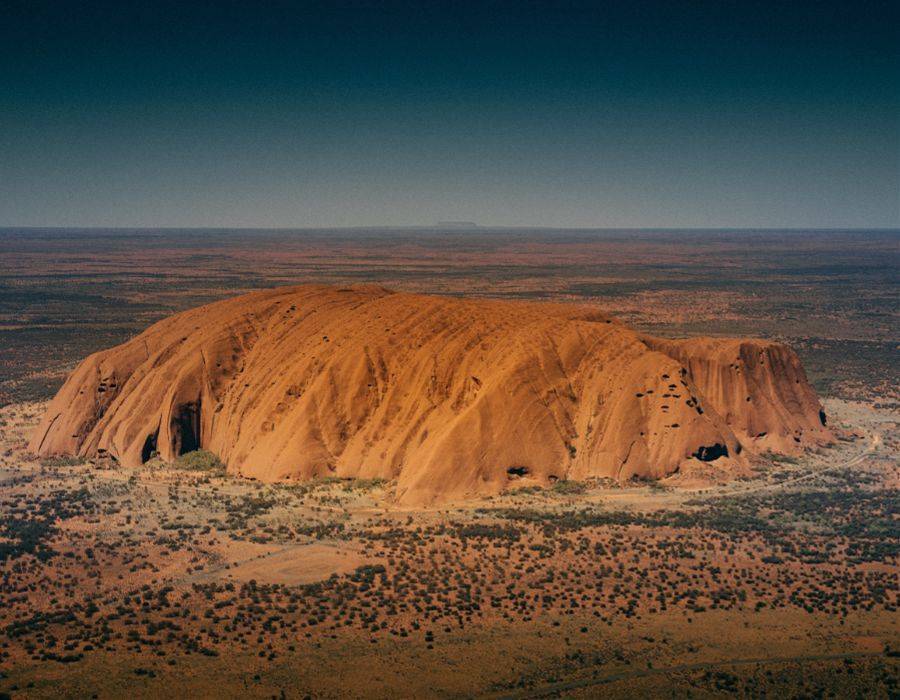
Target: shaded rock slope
450,397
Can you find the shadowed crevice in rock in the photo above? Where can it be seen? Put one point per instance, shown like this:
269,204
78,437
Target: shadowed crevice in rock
186,428
710,453
148,451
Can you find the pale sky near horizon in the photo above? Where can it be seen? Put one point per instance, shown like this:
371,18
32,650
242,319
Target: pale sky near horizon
287,114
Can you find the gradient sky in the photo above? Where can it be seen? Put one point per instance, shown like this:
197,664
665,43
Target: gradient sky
722,114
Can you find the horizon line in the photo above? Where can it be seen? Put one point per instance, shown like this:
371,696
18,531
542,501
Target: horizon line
445,228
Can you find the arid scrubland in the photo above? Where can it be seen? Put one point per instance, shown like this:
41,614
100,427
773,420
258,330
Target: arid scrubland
167,576
180,578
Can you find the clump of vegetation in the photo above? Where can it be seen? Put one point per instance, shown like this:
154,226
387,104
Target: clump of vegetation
564,487
364,484
61,461
779,458
200,461
526,490
305,488
488,531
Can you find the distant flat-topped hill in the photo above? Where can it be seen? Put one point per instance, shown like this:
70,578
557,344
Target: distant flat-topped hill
451,397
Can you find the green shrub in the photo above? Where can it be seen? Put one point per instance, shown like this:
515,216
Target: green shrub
200,461
62,461
364,484
780,458
568,488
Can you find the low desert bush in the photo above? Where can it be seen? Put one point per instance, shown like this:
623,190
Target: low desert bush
200,461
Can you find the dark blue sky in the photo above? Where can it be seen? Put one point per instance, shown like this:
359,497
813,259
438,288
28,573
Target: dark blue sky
550,114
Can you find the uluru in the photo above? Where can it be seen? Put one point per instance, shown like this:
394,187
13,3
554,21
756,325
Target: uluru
450,397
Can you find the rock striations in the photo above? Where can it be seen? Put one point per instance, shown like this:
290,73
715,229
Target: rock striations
450,397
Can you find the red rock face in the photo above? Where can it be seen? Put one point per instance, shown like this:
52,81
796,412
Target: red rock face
451,397
758,387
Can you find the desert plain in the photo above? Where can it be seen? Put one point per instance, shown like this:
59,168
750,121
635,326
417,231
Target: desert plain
177,576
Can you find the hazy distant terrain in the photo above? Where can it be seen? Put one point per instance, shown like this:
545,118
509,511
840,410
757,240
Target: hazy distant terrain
833,295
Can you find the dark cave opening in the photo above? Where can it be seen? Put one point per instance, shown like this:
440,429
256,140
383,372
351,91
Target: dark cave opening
708,453
186,428
148,451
